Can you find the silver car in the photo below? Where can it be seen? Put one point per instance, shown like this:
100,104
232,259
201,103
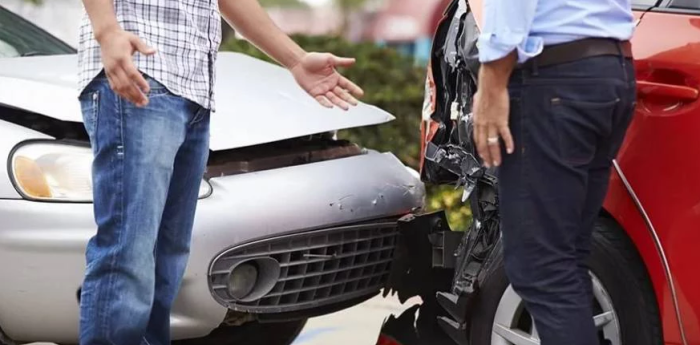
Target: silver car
292,222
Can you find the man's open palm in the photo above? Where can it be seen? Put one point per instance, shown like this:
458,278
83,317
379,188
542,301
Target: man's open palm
316,73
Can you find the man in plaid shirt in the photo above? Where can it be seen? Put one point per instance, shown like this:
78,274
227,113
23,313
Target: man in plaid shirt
146,81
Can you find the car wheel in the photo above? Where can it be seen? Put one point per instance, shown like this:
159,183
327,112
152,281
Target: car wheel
625,306
251,333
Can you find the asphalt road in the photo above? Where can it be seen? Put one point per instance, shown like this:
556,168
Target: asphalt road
356,326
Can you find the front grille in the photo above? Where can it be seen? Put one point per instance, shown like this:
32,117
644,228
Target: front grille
317,268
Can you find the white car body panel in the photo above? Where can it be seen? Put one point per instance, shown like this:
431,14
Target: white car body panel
250,110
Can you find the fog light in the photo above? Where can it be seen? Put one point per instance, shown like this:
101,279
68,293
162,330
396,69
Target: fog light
242,280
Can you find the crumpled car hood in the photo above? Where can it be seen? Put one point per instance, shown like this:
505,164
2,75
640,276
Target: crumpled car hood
256,102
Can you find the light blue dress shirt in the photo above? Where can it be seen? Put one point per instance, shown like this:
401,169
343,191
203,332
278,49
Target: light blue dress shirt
530,25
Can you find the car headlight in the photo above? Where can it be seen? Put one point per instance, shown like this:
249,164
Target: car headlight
50,171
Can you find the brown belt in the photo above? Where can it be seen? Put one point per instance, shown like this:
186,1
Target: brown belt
580,49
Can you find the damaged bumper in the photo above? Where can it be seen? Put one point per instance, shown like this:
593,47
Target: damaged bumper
445,268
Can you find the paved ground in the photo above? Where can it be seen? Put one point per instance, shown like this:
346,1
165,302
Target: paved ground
356,326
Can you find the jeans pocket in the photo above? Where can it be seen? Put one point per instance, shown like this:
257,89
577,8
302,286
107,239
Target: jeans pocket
156,88
579,125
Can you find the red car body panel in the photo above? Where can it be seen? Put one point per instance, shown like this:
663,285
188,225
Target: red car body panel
654,193
659,160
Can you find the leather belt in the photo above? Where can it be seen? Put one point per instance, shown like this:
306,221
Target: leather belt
580,49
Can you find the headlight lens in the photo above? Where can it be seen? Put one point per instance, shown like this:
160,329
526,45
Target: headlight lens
59,172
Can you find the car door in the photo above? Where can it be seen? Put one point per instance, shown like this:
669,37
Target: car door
661,156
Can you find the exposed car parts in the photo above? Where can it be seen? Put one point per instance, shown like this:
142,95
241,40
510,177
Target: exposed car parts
430,248
474,256
413,274
454,67
459,160
429,252
285,153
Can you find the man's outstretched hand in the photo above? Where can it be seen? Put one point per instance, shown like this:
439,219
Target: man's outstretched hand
316,74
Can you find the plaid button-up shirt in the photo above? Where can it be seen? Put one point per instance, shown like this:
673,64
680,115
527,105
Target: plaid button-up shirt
185,33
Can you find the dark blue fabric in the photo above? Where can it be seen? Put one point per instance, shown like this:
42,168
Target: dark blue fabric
568,122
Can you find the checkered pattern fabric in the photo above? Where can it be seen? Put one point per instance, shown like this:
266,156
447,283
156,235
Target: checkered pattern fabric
185,33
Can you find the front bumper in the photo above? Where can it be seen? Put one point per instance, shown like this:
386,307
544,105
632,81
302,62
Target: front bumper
45,242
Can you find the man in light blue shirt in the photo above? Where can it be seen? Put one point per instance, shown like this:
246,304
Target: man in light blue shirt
556,95
529,25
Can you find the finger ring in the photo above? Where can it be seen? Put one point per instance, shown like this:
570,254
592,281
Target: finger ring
492,140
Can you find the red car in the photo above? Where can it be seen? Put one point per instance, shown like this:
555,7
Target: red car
646,258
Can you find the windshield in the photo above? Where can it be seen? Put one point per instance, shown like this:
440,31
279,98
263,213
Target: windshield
19,37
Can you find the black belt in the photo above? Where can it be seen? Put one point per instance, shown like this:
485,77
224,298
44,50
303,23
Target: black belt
580,49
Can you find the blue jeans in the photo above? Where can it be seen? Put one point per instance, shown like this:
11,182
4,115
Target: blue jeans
568,122
148,166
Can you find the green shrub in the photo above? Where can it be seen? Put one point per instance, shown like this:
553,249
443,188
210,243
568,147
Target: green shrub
394,83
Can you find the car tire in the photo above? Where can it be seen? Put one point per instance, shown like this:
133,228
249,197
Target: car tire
251,333
617,267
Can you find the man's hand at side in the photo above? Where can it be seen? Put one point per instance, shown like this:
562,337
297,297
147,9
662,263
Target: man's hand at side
492,109
315,72
118,47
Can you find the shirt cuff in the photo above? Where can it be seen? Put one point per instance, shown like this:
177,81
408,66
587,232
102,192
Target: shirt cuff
491,48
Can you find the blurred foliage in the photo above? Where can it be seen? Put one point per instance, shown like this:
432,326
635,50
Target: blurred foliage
391,82
350,4
459,215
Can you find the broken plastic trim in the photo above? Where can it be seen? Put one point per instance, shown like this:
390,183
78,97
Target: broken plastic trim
413,275
459,159
454,69
426,253
428,245
474,256
287,153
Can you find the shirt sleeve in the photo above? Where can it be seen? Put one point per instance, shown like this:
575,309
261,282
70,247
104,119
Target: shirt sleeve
506,27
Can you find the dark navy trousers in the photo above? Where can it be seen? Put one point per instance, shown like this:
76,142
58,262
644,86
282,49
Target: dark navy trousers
568,122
